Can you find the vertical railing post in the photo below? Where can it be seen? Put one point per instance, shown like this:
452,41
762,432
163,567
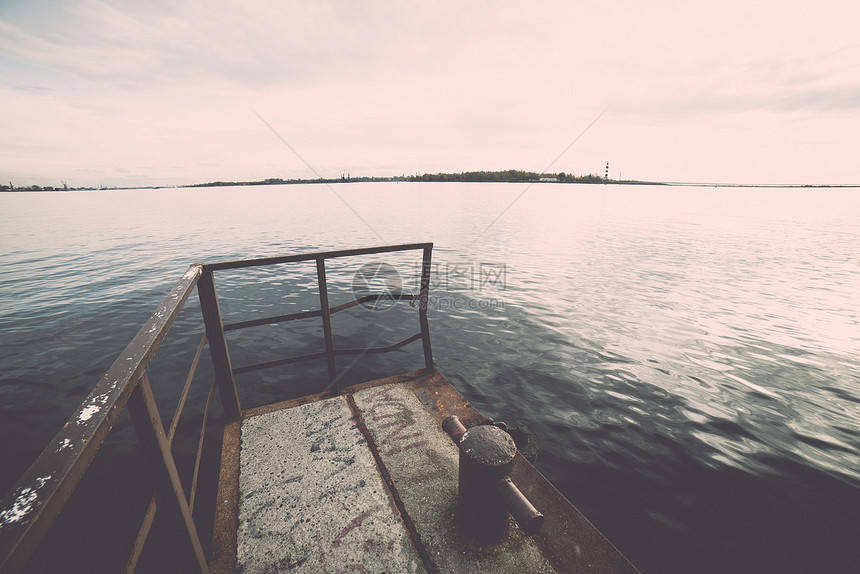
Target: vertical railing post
153,440
218,345
326,318
423,298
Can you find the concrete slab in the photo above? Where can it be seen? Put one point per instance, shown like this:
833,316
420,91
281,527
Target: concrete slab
311,498
422,462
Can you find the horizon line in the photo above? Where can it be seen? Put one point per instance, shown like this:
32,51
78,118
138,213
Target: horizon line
592,179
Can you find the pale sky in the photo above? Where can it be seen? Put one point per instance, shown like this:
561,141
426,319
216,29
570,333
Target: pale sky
158,92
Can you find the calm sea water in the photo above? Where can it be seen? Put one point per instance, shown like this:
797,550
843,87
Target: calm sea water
689,357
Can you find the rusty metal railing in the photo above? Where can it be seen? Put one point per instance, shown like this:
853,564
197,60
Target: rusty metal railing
215,328
30,508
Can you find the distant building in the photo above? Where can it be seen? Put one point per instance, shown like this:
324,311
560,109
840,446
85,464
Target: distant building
549,179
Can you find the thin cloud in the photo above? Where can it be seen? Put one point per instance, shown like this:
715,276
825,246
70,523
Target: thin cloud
843,97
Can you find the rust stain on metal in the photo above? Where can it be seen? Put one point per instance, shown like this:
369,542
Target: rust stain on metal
441,399
223,559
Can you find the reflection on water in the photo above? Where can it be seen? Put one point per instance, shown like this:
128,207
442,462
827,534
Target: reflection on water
688,357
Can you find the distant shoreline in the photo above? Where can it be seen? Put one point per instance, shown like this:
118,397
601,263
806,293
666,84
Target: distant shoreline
506,176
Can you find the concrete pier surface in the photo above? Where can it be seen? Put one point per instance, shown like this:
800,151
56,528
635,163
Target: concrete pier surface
366,481
311,498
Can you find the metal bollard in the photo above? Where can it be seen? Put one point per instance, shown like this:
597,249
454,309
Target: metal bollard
486,493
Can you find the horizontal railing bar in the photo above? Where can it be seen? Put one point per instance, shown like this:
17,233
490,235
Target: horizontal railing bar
322,355
221,265
271,320
374,350
39,495
374,297
278,363
318,312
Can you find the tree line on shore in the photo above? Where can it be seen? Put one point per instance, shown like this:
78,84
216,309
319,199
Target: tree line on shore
509,175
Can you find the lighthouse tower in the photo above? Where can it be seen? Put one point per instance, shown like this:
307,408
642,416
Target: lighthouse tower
606,176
